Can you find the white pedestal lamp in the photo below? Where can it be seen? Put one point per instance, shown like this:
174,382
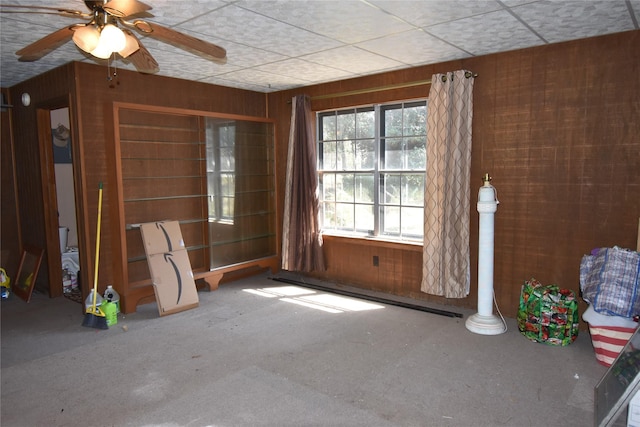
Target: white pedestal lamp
484,322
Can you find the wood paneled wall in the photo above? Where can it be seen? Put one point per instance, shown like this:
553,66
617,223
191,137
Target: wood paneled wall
558,129
9,216
91,92
50,91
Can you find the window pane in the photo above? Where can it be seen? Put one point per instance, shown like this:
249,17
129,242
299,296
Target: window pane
390,189
364,191
416,153
366,124
227,135
227,207
415,120
328,156
344,216
346,125
413,189
345,156
328,186
227,184
344,187
227,159
328,127
365,154
412,222
393,153
328,215
391,220
392,122
364,220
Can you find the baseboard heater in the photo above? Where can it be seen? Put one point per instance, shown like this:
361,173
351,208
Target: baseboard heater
368,297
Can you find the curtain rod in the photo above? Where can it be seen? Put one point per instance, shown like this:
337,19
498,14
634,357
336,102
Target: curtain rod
467,74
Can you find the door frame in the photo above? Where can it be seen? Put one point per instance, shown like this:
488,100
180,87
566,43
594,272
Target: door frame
49,190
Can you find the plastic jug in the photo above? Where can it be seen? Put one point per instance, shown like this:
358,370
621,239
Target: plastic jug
89,301
111,295
109,310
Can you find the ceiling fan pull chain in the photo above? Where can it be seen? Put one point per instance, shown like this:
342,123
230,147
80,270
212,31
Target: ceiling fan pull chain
115,71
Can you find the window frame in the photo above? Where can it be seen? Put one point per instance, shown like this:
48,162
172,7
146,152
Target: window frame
378,171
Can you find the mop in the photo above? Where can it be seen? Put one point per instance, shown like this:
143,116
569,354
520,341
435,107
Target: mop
94,316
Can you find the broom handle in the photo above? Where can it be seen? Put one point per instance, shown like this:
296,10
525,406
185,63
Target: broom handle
95,272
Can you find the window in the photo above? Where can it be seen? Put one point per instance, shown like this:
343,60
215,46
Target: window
221,168
371,169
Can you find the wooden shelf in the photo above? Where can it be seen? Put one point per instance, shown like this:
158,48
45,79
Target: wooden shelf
166,169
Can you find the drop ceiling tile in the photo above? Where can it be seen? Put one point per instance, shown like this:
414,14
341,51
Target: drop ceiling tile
261,32
20,71
353,60
217,80
347,21
174,62
264,79
238,55
487,33
426,13
513,3
413,47
303,70
172,12
566,20
246,56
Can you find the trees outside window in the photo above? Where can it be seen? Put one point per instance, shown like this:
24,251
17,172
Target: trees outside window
371,168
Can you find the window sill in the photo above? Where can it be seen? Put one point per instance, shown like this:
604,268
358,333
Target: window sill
410,245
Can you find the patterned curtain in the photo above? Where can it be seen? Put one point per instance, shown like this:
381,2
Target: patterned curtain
445,261
301,239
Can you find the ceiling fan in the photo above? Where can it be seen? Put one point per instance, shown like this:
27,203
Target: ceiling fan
110,31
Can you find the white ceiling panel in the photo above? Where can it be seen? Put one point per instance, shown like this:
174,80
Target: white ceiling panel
265,79
313,73
432,12
353,60
176,12
345,21
252,29
282,44
559,20
413,48
490,32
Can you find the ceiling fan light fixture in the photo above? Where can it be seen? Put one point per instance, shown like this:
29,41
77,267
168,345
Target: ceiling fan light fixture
87,37
113,37
130,47
102,51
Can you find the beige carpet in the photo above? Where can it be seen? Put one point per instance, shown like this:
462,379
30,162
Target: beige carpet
258,352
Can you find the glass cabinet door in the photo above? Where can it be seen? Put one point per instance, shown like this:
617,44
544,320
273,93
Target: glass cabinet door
240,190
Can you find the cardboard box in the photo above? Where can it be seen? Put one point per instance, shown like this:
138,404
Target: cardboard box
169,266
161,237
173,281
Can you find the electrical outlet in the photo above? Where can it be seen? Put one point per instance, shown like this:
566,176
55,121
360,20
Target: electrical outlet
376,261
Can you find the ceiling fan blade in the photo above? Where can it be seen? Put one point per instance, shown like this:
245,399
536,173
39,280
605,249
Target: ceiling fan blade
18,8
45,45
142,60
121,8
190,44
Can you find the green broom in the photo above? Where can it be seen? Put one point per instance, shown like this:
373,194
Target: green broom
94,316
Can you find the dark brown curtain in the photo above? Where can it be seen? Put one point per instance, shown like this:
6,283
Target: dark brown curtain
301,239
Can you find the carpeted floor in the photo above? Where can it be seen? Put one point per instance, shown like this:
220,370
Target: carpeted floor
257,352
